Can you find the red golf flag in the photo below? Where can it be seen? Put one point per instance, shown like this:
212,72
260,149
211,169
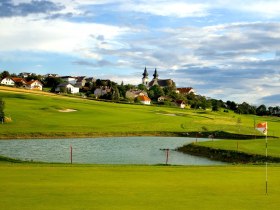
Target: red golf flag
262,127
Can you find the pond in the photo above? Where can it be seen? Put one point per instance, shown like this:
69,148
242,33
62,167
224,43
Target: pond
114,150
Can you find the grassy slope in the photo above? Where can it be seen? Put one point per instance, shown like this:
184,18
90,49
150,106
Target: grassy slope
31,186
33,113
248,146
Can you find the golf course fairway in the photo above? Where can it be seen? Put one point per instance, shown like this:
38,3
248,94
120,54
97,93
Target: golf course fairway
55,186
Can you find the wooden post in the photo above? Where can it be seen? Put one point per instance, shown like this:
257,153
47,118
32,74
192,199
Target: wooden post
71,154
167,155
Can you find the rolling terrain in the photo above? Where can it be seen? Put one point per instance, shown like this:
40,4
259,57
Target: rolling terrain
36,115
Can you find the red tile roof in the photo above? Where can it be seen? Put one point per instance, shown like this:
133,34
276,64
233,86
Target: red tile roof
32,81
185,90
144,98
18,79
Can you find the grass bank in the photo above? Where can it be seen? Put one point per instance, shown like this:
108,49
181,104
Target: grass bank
43,116
46,186
231,156
237,151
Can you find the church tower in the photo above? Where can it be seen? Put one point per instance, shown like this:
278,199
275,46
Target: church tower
145,79
155,74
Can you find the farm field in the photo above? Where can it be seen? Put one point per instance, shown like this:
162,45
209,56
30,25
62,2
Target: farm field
46,186
47,115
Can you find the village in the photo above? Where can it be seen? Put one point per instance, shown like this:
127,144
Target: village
157,90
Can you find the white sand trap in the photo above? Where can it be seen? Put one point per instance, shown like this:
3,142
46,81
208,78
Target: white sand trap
67,110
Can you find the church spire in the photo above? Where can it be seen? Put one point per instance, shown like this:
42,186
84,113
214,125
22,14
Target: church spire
145,74
145,77
155,74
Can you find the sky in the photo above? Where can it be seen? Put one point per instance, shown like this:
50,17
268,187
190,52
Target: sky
224,49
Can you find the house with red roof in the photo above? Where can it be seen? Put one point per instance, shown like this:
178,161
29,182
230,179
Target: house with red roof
144,99
19,82
185,90
34,85
13,81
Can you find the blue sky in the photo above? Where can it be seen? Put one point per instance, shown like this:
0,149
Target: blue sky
224,49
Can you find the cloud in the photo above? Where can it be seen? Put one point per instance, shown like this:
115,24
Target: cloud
57,36
100,63
9,9
178,9
271,100
265,8
191,8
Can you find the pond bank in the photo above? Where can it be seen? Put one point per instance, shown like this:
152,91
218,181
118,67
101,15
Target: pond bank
229,156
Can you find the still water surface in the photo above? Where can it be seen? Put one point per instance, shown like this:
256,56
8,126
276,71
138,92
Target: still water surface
114,150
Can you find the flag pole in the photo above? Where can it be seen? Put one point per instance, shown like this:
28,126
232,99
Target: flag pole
262,127
266,179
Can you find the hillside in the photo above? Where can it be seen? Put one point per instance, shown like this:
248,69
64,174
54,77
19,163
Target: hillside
47,115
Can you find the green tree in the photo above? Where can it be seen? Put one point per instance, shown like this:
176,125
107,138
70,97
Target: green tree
2,114
4,74
142,87
155,92
261,110
204,103
245,108
115,94
231,105
215,105
34,77
98,82
52,82
122,90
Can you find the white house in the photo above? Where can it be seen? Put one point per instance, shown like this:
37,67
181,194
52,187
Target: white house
135,93
69,79
34,85
163,98
181,104
8,81
144,99
67,87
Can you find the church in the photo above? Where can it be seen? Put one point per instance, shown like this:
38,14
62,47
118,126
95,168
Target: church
156,81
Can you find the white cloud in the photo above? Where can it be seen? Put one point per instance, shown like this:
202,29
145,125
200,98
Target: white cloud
177,9
265,8
52,35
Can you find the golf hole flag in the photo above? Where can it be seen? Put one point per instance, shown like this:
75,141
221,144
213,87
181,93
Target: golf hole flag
262,127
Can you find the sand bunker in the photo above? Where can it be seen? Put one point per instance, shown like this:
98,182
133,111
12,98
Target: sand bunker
67,110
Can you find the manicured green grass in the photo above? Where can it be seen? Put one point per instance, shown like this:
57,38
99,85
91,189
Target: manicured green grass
34,114
247,146
43,186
